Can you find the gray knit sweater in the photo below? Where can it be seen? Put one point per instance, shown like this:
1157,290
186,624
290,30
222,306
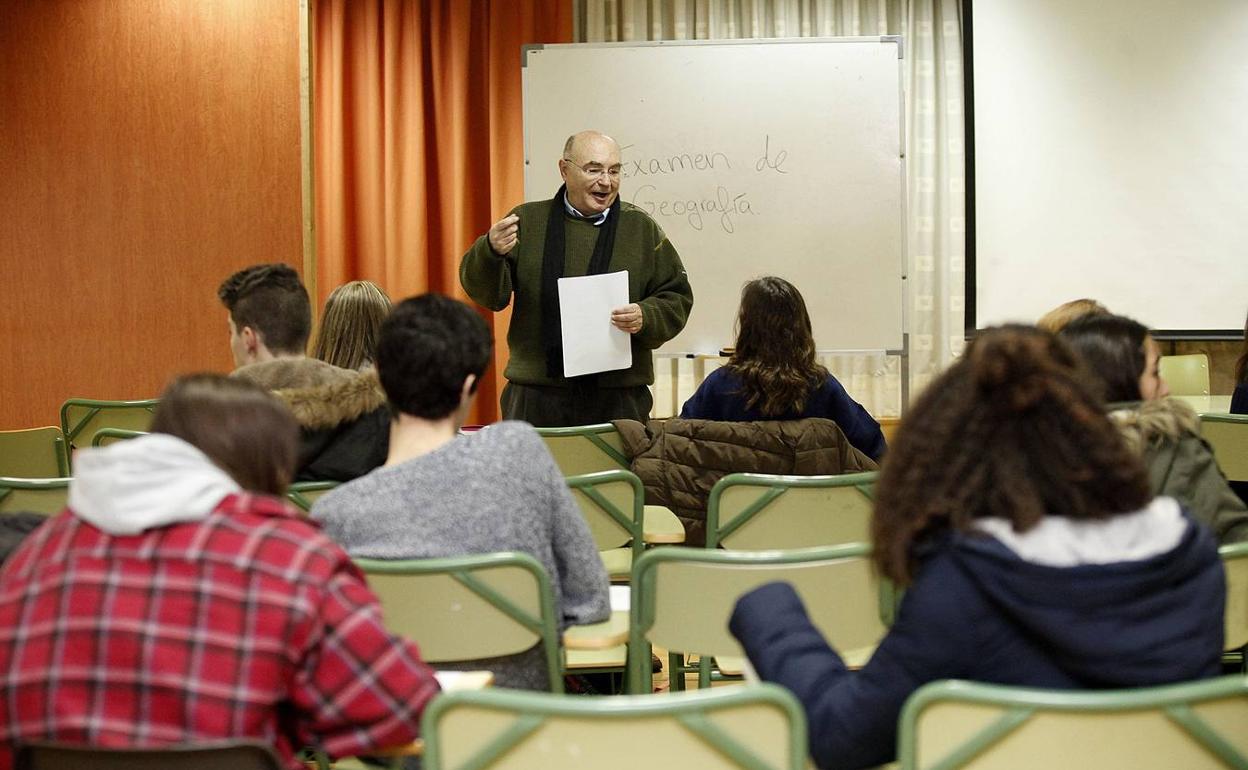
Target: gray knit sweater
494,490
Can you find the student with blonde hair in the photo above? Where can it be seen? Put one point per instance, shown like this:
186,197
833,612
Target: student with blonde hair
347,337
1056,319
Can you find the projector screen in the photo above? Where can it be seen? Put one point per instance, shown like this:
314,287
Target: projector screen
1110,151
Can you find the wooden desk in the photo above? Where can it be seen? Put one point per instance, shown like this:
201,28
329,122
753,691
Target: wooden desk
660,525
449,681
1207,404
600,645
611,632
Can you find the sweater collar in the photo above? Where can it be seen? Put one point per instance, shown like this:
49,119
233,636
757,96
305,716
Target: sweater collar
594,220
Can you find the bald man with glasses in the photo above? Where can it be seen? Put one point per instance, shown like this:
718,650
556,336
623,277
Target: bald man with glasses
585,229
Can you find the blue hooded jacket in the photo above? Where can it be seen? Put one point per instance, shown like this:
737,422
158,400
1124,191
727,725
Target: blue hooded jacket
978,611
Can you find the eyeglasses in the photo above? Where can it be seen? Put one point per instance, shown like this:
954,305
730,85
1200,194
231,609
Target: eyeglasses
597,170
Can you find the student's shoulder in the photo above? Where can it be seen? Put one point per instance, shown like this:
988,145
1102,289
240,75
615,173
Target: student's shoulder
507,435
277,537
346,495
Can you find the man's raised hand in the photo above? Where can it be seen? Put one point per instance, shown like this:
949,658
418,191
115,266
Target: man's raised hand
505,234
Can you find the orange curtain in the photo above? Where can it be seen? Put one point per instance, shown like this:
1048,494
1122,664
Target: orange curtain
419,139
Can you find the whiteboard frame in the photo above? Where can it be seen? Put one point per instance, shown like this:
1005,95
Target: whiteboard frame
903,221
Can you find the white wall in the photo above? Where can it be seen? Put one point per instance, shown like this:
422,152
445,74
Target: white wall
1111,159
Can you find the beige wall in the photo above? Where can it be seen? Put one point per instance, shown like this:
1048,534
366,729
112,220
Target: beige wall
147,150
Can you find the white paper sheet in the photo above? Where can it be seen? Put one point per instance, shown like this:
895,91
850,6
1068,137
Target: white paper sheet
590,343
621,598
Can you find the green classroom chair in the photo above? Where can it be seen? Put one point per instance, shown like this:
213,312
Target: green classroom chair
1235,562
1227,434
214,755
585,448
755,511
469,607
760,727
612,504
1187,375
304,493
105,436
682,599
34,453
47,496
1195,726
82,417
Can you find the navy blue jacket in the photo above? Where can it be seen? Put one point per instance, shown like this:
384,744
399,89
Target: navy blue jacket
977,611
719,397
1239,399
1239,405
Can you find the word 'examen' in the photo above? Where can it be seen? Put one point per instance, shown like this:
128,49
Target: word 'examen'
722,205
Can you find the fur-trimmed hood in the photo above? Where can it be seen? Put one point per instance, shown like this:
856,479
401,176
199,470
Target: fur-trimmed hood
320,395
1180,464
1149,422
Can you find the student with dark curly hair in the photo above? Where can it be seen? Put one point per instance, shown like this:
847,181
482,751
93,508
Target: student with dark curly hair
773,374
1031,549
1123,360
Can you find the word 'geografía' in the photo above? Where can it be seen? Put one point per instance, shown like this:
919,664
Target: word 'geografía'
721,209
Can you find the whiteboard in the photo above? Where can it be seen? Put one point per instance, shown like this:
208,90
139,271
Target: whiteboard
778,157
1111,155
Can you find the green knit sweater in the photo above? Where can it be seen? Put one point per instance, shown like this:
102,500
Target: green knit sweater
656,281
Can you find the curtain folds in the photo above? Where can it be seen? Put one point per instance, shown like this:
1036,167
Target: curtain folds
418,139
936,218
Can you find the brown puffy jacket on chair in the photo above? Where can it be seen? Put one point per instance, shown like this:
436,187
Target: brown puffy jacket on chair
679,461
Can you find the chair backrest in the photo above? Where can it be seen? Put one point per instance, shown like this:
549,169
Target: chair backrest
304,493
613,504
585,448
759,727
1194,726
755,511
1235,561
232,755
469,607
33,495
34,453
82,417
106,436
682,598
1228,435
1187,375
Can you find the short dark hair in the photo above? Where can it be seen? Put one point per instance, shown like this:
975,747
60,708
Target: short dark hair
1012,430
243,429
272,301
428,345
1113,349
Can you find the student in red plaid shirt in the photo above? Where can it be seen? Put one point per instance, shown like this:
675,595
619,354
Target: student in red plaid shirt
177,601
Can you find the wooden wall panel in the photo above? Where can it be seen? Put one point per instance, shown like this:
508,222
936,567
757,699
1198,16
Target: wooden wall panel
147,150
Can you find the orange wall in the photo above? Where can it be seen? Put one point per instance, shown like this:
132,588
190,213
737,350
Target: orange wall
147,150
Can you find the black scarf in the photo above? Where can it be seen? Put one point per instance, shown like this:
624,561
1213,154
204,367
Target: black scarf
552,271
